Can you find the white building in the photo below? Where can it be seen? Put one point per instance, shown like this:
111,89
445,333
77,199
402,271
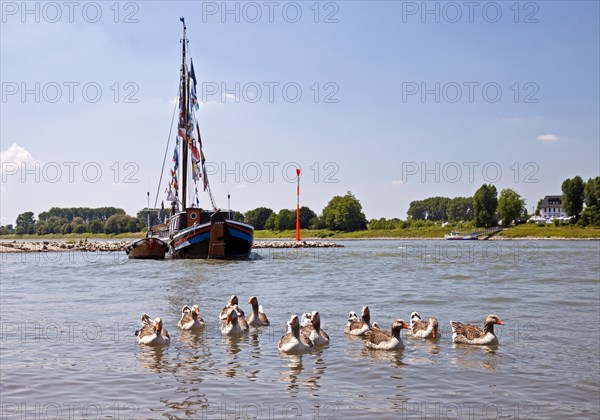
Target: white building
552,207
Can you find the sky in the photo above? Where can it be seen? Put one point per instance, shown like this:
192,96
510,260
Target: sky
394,101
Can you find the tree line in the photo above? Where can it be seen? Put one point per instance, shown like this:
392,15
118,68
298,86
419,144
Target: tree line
580,200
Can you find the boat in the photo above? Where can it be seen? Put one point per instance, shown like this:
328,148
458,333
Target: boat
457,236
191,231
149,248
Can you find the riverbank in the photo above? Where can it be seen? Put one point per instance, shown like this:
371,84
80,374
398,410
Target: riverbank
104,242
18,246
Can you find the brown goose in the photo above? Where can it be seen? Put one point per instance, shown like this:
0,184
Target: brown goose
152,333
472,334
359,327
190,318
241,319
383,340
257,318
314,332
233,300
293,342
424,329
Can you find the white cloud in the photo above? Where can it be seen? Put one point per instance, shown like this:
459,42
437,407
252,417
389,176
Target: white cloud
399,182
16,154
548,137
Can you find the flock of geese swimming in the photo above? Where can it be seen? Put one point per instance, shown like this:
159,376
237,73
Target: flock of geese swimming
302,335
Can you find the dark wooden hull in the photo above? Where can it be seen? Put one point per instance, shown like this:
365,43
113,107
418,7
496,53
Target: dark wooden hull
224,239
146,249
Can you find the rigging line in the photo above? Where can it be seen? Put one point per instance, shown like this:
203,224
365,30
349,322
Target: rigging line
162,171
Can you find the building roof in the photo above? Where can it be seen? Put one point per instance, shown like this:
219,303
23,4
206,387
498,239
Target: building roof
551,201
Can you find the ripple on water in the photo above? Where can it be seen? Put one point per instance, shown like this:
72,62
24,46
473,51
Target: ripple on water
77,346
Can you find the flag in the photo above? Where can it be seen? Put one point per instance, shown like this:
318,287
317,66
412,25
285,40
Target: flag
193,74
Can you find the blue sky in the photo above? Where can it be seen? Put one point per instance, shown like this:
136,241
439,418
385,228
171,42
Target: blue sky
394,101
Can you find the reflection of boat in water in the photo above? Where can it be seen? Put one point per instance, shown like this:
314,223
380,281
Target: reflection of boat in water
457,236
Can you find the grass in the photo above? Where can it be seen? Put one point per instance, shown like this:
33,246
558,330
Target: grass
530,230
429,232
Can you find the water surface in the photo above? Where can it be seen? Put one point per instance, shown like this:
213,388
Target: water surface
68,349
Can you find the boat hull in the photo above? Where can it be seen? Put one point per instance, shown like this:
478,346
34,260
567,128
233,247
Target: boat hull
146,249
224,239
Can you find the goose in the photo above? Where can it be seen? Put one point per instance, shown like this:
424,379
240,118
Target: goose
352,316
359,327
231,325
257,318
241,318
305,320
472,334
190,318
152,333
292,342
424,329
414,317
314,332
383,340
233,300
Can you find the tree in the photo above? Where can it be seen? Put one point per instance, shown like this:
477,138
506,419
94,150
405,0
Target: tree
572,195
4,230
485,202
271,223
117,223
344,213
510,206
95,226
460,209
591,192
26,222
590,216
286,220
258,217
306,216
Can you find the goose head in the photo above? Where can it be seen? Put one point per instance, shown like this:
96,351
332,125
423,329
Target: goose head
195,311
490,321
232,316
397,325
365,314
434,326
157,325
233,300
295,325
315,320
305,320
352,316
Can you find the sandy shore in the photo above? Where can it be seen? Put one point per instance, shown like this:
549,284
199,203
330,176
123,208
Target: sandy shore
82,245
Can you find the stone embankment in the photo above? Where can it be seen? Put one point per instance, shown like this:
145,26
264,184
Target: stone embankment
83,245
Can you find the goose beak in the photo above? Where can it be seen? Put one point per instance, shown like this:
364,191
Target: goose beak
404,325
433,333
228,320
499,322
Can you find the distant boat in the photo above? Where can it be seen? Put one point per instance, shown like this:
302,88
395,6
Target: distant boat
457,236
190,231
148,248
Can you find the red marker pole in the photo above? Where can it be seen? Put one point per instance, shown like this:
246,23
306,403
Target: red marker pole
298,206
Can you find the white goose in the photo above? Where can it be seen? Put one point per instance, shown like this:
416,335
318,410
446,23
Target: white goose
383,340
474,335
257,318
293,342
414,317
152,333
314,332
359,327
190,318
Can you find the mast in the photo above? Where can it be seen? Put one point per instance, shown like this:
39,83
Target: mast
185,109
